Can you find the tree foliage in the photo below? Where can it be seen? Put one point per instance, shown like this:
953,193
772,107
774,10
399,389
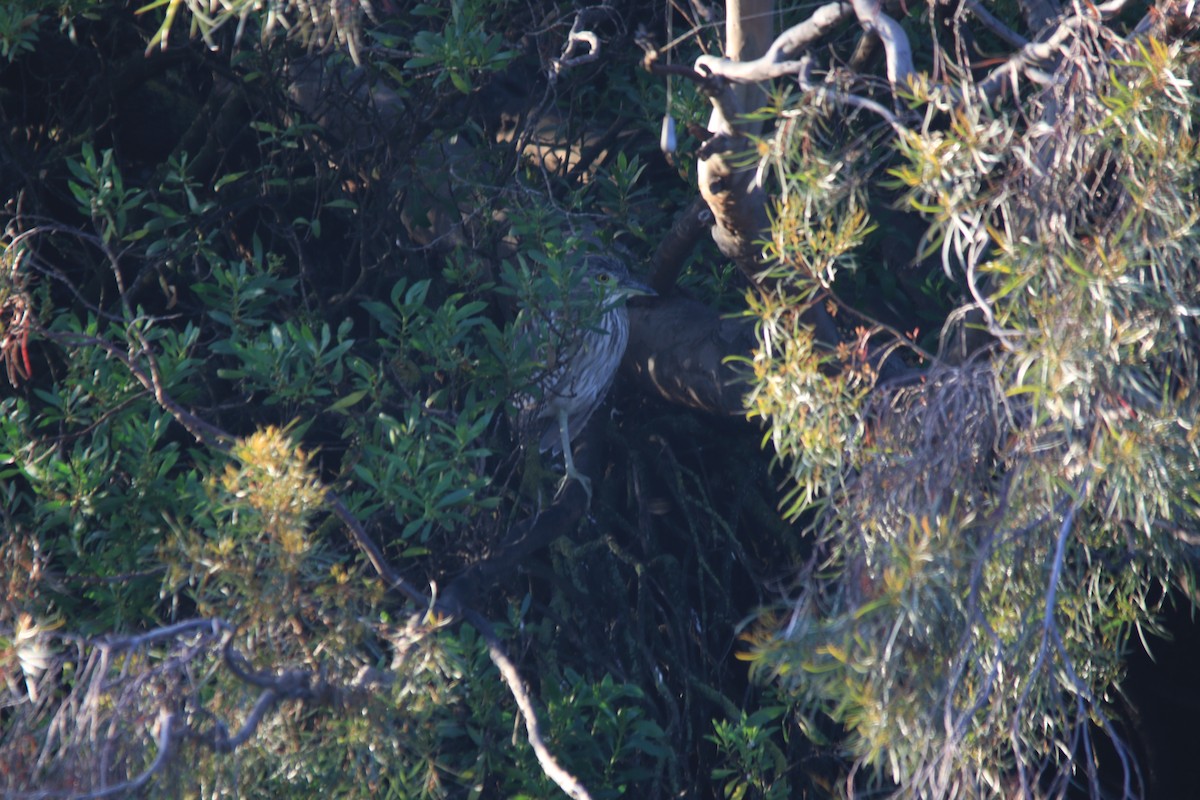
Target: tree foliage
266,293
992,536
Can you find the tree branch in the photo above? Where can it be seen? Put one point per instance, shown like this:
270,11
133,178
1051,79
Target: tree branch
895,41
674,248
533,729
779,59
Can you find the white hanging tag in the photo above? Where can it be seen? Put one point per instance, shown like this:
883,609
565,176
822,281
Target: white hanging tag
667,141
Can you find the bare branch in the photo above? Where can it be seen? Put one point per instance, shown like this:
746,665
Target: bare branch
842,98
99,712
1167,20
895,41
1034,53
165,751
779,60
533,729
576,37
674,247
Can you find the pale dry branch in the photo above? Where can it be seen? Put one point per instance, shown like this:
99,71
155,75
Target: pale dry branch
838,97
896,47
571,57
780,58
533,729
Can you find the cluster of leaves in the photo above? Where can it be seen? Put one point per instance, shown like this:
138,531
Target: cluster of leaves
207,335
991,534
813,410
462,49
994,533
21,22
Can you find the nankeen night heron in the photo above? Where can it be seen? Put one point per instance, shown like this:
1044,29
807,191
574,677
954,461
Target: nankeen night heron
582,352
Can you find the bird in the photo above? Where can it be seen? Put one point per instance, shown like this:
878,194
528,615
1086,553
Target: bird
582,345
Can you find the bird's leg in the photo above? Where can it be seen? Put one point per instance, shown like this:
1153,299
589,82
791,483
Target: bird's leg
569,461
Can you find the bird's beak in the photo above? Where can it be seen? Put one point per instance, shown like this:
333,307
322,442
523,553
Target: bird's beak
635,288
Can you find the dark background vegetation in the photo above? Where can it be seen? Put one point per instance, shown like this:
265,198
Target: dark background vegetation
330,234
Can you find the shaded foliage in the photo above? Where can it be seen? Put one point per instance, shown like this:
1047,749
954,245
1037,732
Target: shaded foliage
266,245
265,294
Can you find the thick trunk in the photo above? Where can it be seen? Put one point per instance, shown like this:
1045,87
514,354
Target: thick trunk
738,204
749,31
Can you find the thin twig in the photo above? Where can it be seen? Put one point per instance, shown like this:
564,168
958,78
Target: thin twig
533,731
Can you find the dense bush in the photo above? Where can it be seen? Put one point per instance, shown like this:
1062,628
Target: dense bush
266,294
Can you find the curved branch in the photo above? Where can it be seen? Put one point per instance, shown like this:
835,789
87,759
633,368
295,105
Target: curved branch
165,751
895,41
222,742
842,98
568,59
674,248
1032,54
533,729
779,58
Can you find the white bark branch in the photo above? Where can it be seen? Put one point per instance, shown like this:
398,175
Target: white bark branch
533,729
896,47
779,60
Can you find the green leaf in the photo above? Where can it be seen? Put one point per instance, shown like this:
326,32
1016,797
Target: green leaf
348,401
460,81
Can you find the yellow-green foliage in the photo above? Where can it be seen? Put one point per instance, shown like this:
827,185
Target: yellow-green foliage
995,531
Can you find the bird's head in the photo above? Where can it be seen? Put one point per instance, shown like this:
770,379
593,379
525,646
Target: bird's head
609,278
